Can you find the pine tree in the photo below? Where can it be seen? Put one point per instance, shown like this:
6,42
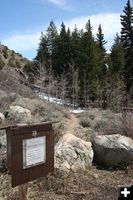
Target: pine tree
89,63
46,46
127,40
63,51
117,58
102,53
100,40
76,50
43,52
51,34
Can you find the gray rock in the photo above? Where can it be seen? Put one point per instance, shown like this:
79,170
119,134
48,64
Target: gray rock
19,114
113,150
3,140
2,119
72,153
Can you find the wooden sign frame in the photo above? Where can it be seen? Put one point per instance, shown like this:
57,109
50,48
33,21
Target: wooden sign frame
15,137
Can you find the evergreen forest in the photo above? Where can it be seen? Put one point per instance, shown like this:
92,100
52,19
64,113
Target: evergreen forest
76,67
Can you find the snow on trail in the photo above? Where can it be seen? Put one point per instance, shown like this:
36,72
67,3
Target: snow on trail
60,102
76,111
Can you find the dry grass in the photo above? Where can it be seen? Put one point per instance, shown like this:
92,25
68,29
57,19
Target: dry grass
95,119
92,184
106,122
122,125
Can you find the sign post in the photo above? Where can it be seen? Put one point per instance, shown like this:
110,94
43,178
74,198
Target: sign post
30,153
23,191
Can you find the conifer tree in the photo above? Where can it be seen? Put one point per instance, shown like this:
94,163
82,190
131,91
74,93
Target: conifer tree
46,46
63,51
102,53
89,62
127,40
51,34
42,52
100,41
117,58
76,50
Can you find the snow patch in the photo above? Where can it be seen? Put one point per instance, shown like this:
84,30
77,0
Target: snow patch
60,102
76,111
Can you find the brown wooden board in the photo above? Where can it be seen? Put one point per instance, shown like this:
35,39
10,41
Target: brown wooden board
15,137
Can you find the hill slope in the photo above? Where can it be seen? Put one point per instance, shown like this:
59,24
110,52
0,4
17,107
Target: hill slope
12,75
11,58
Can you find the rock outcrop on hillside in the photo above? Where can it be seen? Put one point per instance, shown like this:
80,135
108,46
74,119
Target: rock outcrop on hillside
11,58
13,76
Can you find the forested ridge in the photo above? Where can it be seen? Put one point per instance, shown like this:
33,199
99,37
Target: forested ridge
75,65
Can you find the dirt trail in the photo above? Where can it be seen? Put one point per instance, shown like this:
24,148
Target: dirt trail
72,124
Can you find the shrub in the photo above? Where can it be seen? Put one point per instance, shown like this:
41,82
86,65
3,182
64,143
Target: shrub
85,122
12,63
20,55
18,64
5,53
2,64
122,125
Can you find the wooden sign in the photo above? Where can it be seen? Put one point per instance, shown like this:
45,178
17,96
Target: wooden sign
30,152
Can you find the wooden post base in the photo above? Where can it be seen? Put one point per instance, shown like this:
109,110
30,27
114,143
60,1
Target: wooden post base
23,191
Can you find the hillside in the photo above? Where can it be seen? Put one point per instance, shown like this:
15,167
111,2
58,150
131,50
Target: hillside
11,58
13,79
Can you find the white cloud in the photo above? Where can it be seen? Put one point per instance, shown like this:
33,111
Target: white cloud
110,23
22,42
29,42
58,2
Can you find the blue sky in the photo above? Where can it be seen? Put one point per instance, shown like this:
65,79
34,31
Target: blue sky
23,20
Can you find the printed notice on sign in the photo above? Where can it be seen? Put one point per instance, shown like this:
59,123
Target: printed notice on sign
34,151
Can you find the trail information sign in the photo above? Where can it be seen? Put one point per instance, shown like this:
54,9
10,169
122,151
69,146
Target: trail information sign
30,152
34,151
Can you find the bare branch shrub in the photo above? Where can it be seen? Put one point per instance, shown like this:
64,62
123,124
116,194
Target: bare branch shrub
122,125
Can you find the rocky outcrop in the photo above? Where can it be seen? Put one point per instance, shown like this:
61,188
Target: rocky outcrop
72,153
113,150
19,114
11,58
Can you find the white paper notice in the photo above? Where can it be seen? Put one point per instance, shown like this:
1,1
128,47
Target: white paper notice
34,151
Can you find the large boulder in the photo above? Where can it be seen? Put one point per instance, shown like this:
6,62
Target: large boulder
19,114
113,150
72,153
